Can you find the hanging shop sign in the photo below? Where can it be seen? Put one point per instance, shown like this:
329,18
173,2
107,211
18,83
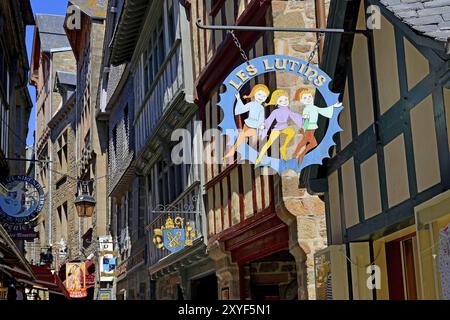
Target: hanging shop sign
23,201
3,292
24,231
107,259
76,279
308,150
105,294
174,236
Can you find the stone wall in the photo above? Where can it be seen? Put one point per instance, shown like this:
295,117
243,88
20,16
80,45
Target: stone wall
65,188
304,213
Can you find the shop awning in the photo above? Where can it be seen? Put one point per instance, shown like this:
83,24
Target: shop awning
52,282
41,277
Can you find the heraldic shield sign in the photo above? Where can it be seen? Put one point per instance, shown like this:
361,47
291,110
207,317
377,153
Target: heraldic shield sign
174,236
283,123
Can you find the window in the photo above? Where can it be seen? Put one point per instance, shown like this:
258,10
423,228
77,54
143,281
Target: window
62,226
114,137
171,22
62,152
126,121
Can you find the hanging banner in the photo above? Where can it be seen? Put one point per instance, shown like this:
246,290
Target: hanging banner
107,259
173,236
307,151
23,201
76,279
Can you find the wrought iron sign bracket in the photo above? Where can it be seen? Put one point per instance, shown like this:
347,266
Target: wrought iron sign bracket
278,29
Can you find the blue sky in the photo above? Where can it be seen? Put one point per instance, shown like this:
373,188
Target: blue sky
40,6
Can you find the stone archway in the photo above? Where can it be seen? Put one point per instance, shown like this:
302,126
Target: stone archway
304,215
227,272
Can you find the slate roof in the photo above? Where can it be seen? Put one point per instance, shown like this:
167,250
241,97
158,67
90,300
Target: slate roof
93,8
67,78
51,31
429,17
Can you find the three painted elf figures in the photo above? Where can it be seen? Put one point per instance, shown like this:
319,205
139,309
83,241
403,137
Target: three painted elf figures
283,123
278,120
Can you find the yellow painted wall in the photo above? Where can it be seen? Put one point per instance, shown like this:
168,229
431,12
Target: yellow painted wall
380,260
416,65
335,211
371,187
431,217
360,257
396,171
386,63
425,144
349,191
361,78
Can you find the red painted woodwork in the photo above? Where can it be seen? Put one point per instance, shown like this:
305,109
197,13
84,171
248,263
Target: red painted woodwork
394,271
217,68
256,237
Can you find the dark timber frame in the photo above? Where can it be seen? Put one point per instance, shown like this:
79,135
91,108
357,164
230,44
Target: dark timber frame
387,126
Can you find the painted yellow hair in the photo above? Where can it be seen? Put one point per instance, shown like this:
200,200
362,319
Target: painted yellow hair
256,88
300,92
275,95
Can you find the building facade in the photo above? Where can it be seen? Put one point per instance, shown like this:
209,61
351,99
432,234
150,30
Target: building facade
52,56
386,187
15,101
85,27
154,37
263,229
126,190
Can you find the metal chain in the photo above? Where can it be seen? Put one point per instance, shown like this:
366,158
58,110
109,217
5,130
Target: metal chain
313,53
239,46
315,50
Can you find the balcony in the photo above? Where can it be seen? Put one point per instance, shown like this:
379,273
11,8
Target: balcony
165,88
186,207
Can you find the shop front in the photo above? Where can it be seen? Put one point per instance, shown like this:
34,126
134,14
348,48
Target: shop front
254,262
132,278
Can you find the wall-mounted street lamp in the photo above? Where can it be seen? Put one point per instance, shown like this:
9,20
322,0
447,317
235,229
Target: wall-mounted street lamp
84,202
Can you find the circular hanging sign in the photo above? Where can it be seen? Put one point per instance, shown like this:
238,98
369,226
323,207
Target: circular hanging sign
307,151
23,202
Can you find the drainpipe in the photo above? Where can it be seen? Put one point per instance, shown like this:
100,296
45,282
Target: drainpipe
50,164
321,22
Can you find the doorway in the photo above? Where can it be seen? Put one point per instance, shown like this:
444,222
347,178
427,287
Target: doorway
204,288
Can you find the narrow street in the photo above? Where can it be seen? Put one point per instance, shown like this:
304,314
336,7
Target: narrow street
214,150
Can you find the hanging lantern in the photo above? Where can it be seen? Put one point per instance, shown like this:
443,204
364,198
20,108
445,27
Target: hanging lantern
85,203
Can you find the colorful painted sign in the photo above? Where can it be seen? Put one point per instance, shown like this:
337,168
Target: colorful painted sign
107,260
105,294
23,202
308,150
173,235
76,279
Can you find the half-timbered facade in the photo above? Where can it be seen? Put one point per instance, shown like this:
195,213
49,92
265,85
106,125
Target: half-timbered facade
262,228
154,37
386,187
